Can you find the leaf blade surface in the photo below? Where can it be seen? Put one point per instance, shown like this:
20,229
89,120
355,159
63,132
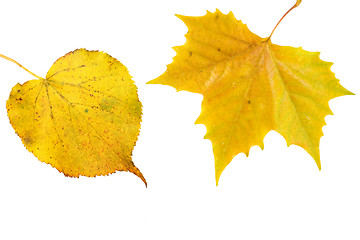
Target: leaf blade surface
83,118
251,86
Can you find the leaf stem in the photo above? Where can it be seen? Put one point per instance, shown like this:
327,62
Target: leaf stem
295,6
12,60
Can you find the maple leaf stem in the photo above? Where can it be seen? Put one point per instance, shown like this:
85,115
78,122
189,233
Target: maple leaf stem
295,6
12,60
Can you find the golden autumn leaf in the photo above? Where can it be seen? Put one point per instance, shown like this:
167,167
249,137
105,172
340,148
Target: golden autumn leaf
251,86
83,118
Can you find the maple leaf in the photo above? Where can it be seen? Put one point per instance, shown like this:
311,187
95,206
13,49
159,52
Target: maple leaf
83,118
251,86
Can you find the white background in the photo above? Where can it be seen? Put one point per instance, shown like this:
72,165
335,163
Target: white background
277,193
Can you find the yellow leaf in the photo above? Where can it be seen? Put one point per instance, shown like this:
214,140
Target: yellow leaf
251,86
83,118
